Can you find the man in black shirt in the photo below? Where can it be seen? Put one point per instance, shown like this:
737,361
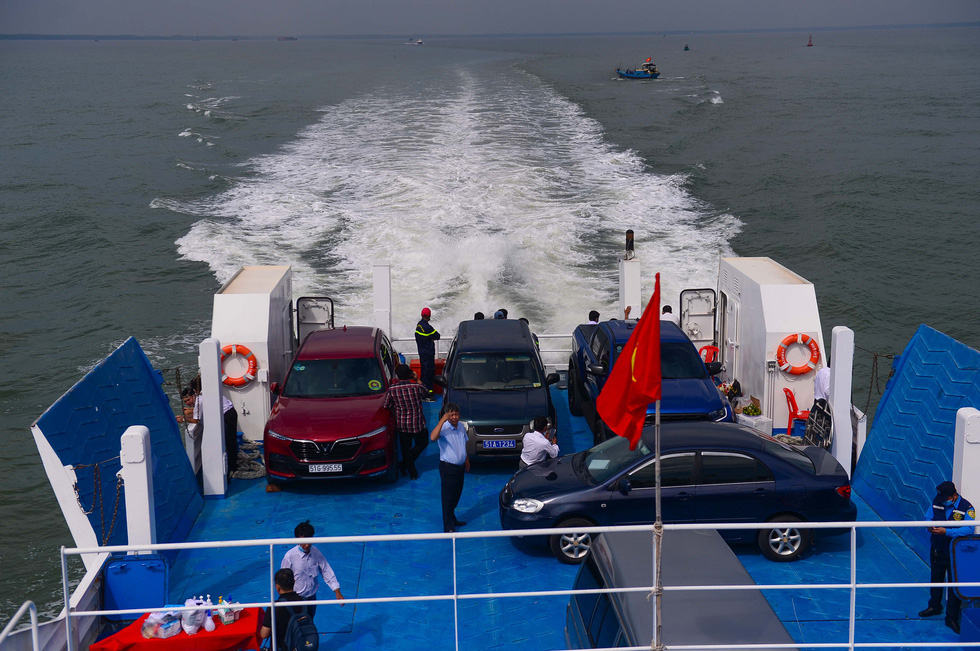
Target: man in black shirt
284,586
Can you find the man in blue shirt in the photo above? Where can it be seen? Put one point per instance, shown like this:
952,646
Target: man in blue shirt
947,505
453,463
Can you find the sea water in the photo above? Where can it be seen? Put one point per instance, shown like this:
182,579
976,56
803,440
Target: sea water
135,177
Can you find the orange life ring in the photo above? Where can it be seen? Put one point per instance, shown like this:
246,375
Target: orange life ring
249,375
798,338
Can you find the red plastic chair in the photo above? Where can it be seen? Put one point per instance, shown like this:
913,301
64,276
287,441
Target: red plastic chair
794,411
708,353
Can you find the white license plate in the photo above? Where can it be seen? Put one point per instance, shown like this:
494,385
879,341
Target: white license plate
509,443
326,467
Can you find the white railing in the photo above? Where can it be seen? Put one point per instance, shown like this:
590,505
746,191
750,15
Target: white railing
8,629
554,357
456,597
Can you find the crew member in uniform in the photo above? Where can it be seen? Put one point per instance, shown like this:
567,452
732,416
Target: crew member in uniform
947,505
425,338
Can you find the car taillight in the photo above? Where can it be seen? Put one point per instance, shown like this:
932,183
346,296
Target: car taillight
844,491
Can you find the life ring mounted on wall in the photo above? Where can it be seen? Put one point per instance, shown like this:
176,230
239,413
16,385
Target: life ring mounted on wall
799,338
253,364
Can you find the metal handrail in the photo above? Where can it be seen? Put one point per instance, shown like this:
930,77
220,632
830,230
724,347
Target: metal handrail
8,629
455,596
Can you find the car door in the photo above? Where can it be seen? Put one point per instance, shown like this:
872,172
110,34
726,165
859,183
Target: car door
599,347
733,487
638,504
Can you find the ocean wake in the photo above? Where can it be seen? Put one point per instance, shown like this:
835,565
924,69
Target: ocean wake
481,191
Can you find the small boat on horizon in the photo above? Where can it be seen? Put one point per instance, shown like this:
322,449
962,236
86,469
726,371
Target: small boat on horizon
414,41
810,42
647,70
686,48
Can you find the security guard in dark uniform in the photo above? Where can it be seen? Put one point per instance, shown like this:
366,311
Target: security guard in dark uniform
425,338
947,505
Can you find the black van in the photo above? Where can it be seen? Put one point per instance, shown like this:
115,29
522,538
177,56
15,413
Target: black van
495,374
625,560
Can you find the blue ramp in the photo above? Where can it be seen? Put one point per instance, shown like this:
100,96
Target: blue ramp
84,427
910,448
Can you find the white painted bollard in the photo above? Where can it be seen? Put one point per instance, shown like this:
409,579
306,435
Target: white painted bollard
841,368
136,458
382,298
966,454
630,290
213,462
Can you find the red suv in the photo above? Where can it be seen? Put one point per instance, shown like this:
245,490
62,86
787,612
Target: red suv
328,419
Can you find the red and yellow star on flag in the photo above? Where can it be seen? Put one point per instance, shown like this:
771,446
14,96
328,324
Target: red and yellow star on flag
634,381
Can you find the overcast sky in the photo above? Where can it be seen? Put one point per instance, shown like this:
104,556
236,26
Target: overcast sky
434,17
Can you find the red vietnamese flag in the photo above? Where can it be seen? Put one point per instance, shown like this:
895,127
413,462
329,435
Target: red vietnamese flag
648,60
634,381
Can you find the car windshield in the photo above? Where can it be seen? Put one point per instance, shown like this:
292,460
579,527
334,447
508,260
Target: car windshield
334,378
680,361
496,372
608,458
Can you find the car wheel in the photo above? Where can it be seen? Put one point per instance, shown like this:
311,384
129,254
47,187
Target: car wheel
572,548
574,398
601,432
784,544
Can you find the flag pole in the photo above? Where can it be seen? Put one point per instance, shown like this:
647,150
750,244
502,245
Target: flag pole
658,539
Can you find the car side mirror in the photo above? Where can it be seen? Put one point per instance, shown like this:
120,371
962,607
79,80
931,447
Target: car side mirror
625,485
274,387
440,380
714,368
597,369
552,378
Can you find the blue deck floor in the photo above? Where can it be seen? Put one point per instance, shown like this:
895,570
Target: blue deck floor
497,565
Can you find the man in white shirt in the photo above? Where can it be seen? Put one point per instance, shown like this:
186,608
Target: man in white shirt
821,385
307,564
667,314
593,317
540,444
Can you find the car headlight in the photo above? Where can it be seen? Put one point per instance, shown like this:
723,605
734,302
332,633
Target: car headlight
374,432
718,414
527,505
279,436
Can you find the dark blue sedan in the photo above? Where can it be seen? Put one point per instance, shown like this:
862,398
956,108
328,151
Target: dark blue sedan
710,473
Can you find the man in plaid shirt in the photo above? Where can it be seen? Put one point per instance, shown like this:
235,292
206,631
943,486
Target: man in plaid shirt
404,399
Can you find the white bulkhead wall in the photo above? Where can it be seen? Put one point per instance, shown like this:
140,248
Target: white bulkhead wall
253,309
772,303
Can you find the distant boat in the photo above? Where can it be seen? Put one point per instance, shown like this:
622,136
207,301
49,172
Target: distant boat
286,38
686,48
810,42
414,41
647,70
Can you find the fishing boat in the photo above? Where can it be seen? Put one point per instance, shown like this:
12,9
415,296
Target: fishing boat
414,41
686,48
647,70
155,520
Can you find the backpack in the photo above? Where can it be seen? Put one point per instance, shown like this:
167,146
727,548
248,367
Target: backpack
301,634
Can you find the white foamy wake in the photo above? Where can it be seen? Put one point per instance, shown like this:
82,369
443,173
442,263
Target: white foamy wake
487,191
